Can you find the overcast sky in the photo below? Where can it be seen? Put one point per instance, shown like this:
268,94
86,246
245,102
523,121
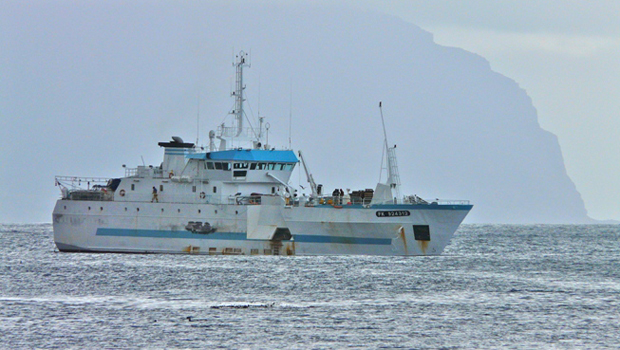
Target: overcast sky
565,54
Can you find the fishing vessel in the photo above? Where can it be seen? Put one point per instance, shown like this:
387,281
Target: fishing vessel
232,199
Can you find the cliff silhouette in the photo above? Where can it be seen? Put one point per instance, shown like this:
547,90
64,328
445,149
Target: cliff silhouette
462,130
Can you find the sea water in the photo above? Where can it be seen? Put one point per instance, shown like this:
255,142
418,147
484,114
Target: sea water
495,286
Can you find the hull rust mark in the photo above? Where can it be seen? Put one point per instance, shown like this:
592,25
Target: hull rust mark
404,238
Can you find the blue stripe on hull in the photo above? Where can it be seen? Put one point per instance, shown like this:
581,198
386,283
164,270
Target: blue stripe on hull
239,236
341,240
424,206
402,206
169,234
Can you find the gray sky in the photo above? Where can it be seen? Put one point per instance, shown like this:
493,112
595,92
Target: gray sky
565,54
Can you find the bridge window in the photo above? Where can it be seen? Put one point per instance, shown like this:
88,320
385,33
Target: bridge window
240,173
226,166
218,166
253,166
210,166
241,166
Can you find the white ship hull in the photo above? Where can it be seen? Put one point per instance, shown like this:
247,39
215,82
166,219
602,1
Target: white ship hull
236,198
143,227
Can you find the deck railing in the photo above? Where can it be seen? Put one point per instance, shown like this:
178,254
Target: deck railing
344,200
233,132
96,188
84,188
143,171
80,182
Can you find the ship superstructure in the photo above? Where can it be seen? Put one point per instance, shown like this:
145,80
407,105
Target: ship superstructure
236,198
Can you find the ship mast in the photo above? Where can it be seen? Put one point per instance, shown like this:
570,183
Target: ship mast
237,132
238,93
393,177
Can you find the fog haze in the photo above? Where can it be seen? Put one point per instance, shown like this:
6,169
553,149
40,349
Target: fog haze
88,87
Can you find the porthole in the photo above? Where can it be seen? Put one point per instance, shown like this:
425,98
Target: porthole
236,212
162,210
178,210
65,207
216,211
125,208
137,209
88,208
101,208
199,211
